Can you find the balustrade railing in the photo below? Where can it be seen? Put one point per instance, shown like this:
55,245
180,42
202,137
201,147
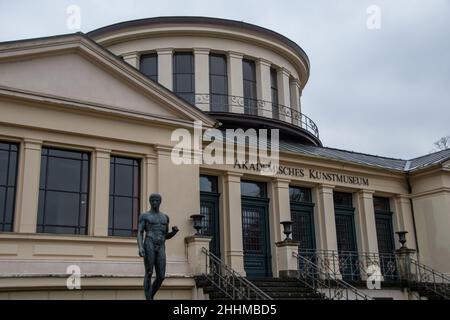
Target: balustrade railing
427,278
242,105
354,266
321,277
229,282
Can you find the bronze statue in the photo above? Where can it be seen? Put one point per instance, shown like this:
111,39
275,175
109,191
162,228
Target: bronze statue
155,224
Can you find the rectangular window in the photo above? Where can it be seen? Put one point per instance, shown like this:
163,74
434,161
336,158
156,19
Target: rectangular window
183,76
274,93
343,199
209,208
381,204
253,189
208,183
63,192
124,197
149,65
218,82
8,180
384,227
249,75
297,194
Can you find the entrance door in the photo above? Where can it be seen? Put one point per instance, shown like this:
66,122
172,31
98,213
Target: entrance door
302,216
385,237
346,235
346,241
255,230
209,208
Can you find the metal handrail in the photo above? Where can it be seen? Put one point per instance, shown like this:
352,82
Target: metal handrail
230,282
431,279
242,105
354,265
325,280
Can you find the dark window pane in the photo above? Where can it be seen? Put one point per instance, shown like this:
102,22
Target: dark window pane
184,83
43,174
4,161
12,168
273,79
208,183
253,189
149,65
2,204
124,196
64,175
65,154
61,208
217,64
297,194
381,204
183,62
250,103
63,194
342,199
9,209
218,84
125,161
8,177
183,75
249,70
123,209
123,180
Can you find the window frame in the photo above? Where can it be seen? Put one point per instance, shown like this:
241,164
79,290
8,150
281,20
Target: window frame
85,180
188,96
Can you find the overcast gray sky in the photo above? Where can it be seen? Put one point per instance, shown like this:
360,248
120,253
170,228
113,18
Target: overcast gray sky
380,91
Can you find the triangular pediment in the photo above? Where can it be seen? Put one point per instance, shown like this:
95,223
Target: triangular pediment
75,69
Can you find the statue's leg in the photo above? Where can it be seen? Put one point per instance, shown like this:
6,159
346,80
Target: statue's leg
149,260
160,269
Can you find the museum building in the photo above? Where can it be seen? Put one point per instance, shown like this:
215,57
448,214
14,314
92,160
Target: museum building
86,124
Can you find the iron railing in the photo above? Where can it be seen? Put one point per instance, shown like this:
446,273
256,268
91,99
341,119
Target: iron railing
355,266
229,282
325,280
241,105
424,277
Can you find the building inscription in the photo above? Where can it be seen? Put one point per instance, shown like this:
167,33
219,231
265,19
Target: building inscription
312,174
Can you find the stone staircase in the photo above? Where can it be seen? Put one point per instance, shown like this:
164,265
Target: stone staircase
276,288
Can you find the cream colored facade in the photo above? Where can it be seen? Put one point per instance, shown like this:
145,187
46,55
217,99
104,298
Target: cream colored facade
72,92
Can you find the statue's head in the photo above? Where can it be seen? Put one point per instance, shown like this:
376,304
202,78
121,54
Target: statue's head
155,201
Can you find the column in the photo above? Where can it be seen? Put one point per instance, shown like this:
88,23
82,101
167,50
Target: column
295,101
403,220
365,222
149,179
234,251
284,94
28,187
327,229
280,211
99,211
201,64
263,91
366,231
327,223
280,206
235,82
165,67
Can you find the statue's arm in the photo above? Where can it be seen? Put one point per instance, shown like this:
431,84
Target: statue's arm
140,235
174,231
